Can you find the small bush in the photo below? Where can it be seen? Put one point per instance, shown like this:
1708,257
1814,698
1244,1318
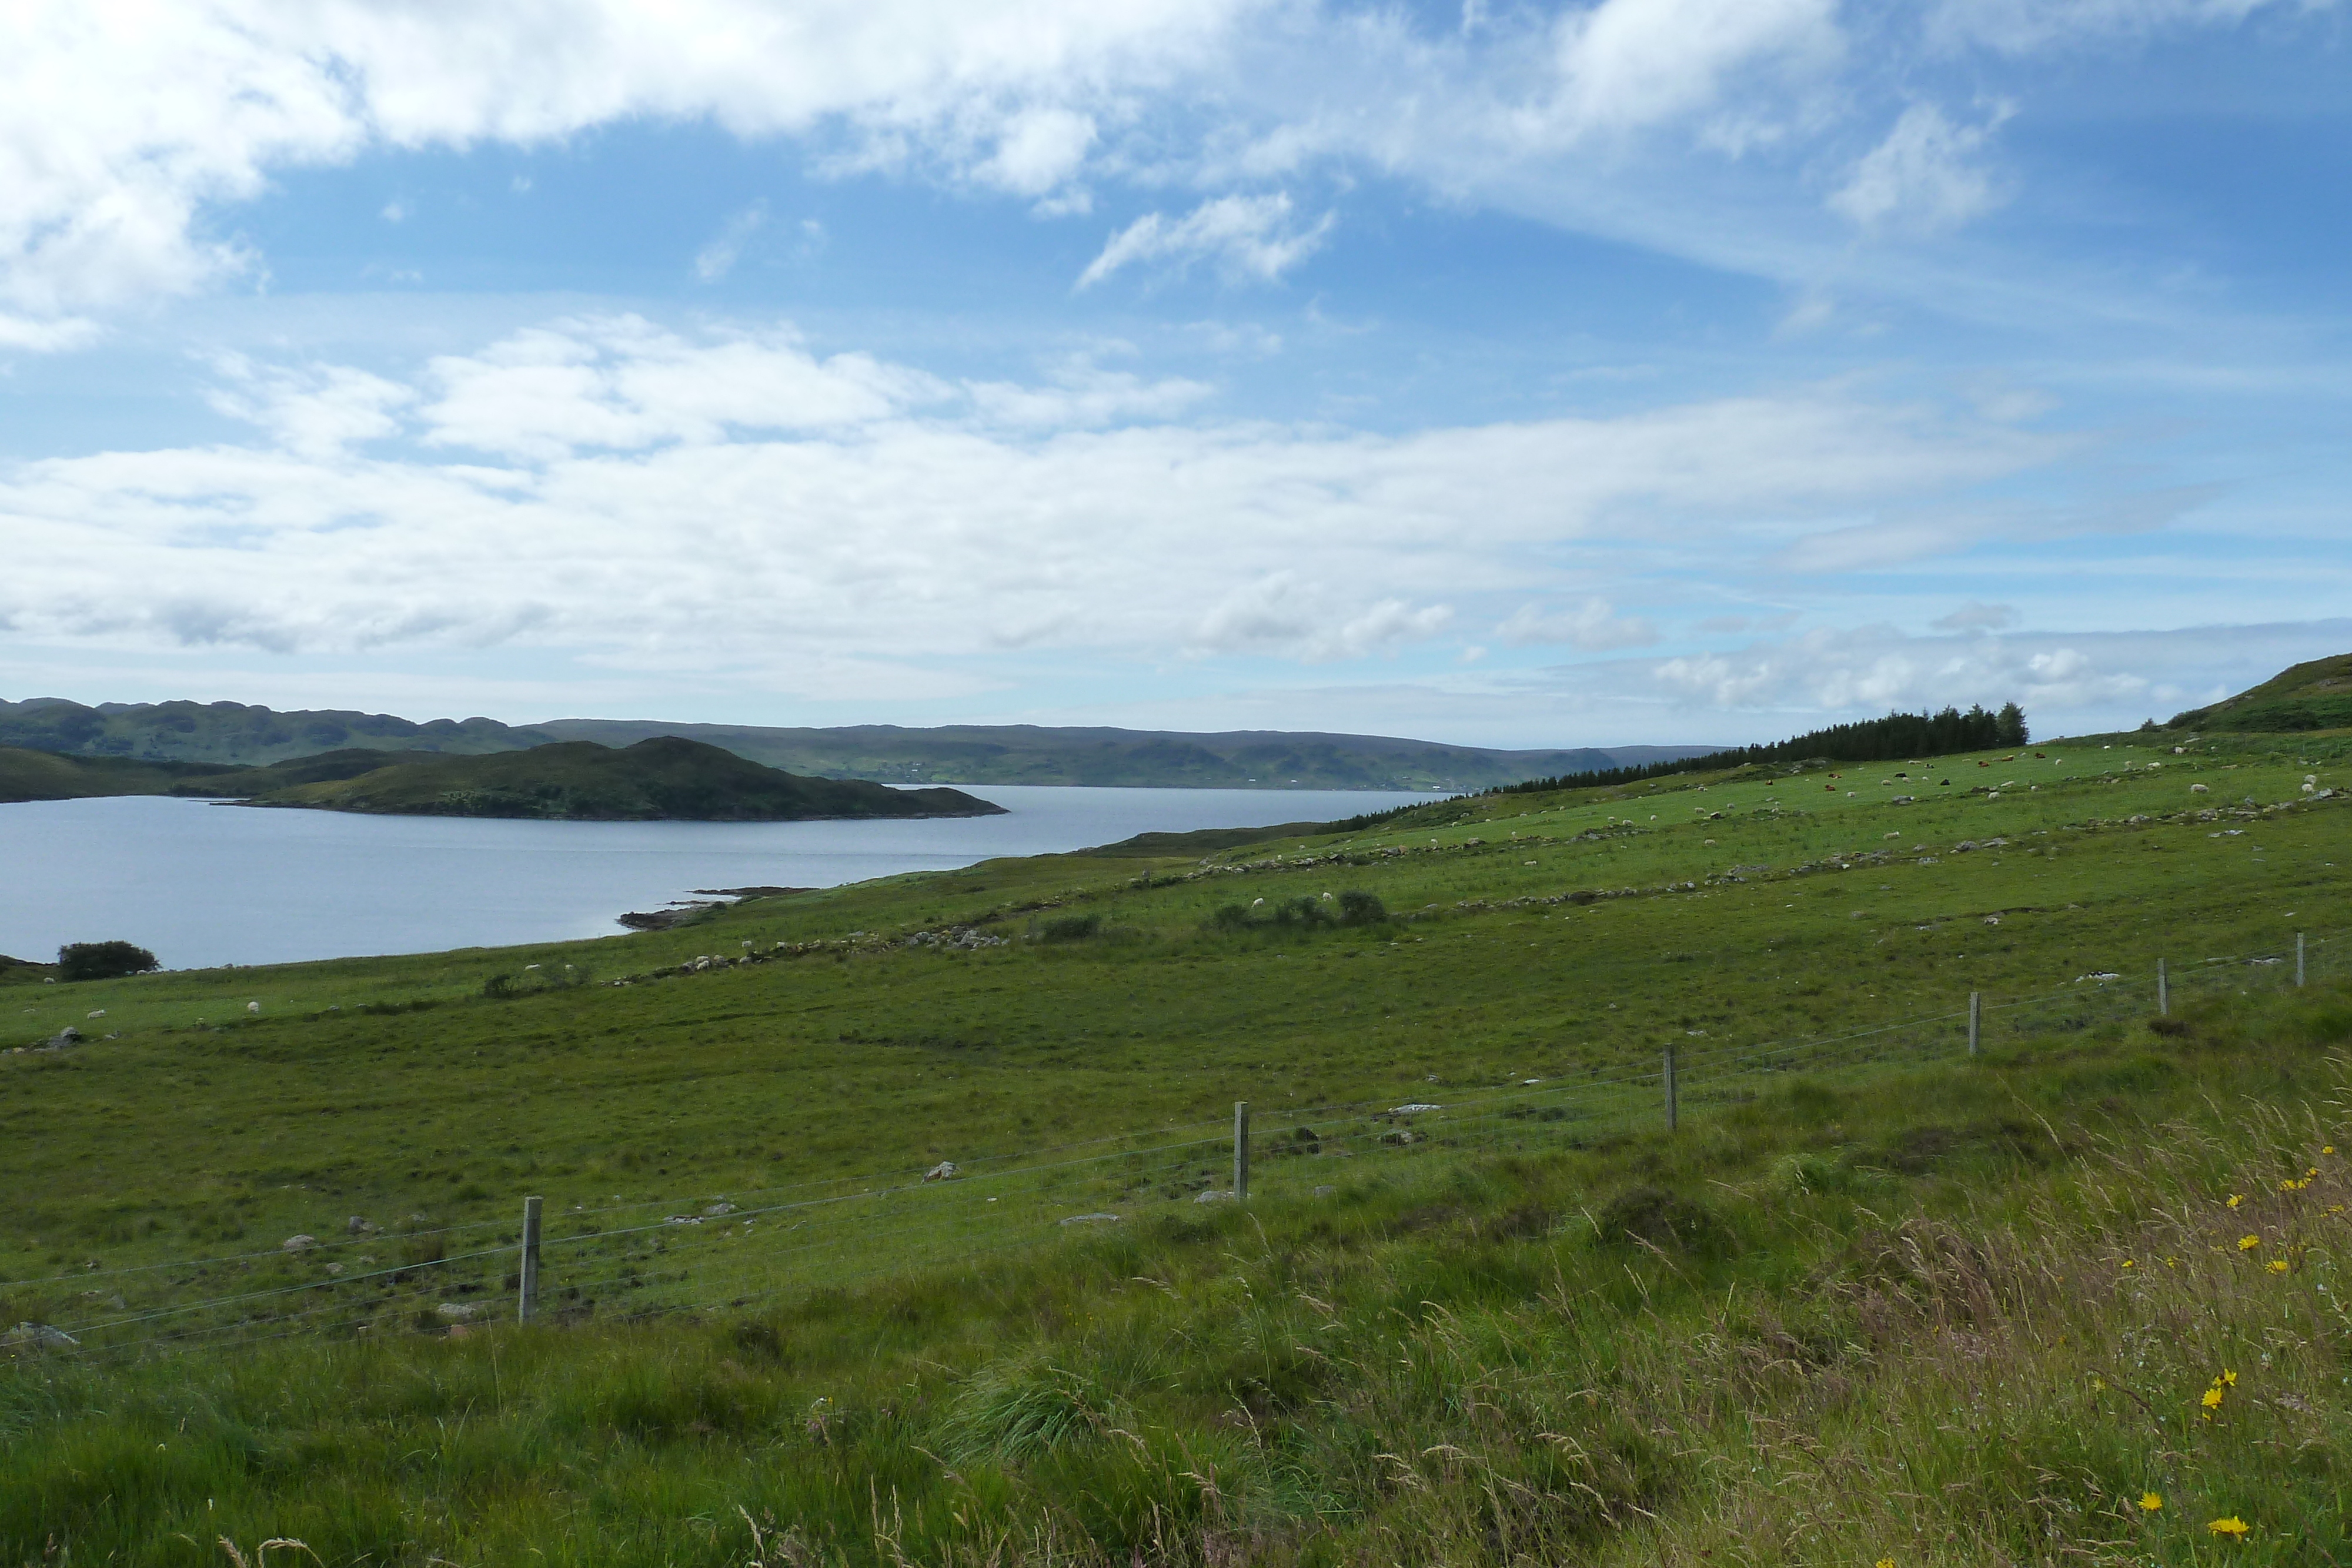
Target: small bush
102,961
1358,907
1071,927
1666,1221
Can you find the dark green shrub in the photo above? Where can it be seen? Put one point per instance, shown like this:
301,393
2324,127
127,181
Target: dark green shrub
1358,907
1071,927
102,960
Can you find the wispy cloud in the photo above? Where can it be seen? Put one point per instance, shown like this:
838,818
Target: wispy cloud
716,259
1249,237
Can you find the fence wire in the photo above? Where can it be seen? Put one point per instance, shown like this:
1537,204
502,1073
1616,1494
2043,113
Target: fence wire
636,1260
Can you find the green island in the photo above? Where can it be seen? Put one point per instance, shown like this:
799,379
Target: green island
2074,1296
661,779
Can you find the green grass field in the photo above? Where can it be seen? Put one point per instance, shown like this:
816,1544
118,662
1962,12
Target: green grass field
1541,1330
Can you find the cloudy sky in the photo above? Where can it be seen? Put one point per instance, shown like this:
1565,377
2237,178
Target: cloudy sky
1581,373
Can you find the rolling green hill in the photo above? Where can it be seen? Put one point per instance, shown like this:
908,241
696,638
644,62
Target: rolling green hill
1875,1299
662,779
2307,696
29,775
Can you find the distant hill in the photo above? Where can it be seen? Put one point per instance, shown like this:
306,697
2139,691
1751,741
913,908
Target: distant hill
662,779
1037,754
234,733
2312,696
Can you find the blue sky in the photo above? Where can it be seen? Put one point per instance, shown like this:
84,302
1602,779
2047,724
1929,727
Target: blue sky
1513,374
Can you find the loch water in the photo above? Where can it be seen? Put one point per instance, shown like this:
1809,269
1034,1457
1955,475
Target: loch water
200,882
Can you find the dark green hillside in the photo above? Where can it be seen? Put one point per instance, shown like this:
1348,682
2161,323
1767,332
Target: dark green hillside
2312,696
28,775
663,779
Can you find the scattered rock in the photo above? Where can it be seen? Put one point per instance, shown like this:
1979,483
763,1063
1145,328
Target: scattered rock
253,1007
38,1337
96,1013
299,1243
1324,1191
721,1206
458,1312
359,1225
1090,1218
334,1267
943,1171
1414,1109
1212,1196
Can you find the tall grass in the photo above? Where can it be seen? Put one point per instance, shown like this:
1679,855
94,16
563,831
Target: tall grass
1966,1313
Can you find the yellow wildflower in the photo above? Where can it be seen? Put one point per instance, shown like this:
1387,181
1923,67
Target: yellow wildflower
2173,1263
2098,1383
2231,1526
2149,1502
2276,1265
1884,1562
2327,1148
2335,1208
2210,1399
2310,1172
2127,1262
2236,1199
2227,1380
2248,1243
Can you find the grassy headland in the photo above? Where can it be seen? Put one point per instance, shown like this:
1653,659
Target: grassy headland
1919,1308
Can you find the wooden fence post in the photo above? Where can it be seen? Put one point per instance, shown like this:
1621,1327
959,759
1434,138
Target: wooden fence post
2298,960
1976,1020
527,1298
2163,993
1673,1109
1241,1151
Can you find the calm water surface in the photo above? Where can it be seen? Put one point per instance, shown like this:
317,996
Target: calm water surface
200,884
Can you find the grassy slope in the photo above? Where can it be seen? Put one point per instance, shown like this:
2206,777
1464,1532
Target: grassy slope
2315,695
1443,1278
47,776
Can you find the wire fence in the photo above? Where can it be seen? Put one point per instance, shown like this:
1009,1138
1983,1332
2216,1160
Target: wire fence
637,1259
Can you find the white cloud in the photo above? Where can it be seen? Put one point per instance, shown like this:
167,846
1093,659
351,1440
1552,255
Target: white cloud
621,382
716,259
314,411
731,500
119,125
1038,149
1594,626
1081,394
1924,177
1284,614
1250,236
1626,65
